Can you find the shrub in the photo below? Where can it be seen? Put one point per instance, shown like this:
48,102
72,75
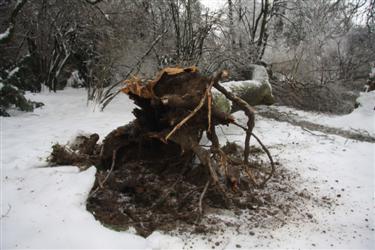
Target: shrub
11,96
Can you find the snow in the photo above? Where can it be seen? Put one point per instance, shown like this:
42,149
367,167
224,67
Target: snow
44,207
331,165
361,119
47,205
5,34
13,71
260,73
372,73
248,83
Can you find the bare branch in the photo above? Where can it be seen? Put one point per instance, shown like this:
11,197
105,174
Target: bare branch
7,34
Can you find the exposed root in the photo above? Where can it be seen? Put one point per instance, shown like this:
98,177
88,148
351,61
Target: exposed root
187,118
209,107
149,162
249,112
101,184
207,94
265,149
201,199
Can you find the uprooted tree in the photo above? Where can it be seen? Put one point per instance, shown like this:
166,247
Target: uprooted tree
152,161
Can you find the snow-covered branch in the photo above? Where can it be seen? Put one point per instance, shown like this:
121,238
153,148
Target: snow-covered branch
6,35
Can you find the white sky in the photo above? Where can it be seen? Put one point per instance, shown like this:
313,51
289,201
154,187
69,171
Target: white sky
213,4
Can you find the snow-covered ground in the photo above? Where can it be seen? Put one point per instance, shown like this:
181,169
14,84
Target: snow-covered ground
361,119
45,207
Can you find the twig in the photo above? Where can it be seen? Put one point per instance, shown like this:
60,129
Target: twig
265,149
204,157
8,211
239,125
187,195
249,111
101,184
209,107
215,79
201,198
312,132
188,117
251,176
269,157
108,97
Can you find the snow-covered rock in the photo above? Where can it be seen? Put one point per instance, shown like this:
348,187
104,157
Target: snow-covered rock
257,91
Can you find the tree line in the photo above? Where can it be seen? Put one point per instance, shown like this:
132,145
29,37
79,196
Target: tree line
309,47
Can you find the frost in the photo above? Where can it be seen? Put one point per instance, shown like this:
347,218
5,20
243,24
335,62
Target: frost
13,71
13,87
5,34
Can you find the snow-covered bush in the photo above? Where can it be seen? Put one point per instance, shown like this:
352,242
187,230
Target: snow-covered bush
25,74
15,80
11,96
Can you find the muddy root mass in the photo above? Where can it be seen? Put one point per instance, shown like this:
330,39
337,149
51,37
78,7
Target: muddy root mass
153,173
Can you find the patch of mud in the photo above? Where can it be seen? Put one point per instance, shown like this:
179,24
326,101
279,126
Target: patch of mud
151,193
137,196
